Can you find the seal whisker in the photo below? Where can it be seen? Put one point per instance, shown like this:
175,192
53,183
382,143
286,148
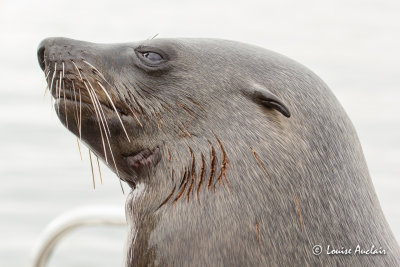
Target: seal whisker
98,165
99,107
140,95
105,91
136,84
54,75
141,84
47,84
93,67
136,118
196,103
77,121
77,69
65,105
159,121
144,107
57,89
60,83
146,91
98,120
79,147
135,100
115,109
76,112
107,139
47,74
91,167
188,110
80,114
122,187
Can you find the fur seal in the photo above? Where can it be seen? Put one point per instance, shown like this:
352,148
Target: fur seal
236,155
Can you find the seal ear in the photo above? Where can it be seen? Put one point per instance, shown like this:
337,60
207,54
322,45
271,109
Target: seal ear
266,98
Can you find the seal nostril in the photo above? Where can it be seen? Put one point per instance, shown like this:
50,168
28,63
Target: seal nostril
40,55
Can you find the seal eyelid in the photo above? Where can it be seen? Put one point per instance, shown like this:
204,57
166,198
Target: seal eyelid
150,56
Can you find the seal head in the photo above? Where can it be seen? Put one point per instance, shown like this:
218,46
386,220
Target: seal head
124,108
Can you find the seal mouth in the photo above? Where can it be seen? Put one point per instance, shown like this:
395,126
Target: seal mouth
71,100
69,95
73,92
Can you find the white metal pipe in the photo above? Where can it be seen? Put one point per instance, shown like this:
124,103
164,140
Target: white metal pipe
65,223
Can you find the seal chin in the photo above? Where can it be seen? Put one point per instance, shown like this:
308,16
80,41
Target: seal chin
141,165
143,161
80,118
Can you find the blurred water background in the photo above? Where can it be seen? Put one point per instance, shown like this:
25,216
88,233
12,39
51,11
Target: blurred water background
352,45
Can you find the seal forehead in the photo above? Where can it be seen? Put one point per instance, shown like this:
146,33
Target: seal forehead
187,46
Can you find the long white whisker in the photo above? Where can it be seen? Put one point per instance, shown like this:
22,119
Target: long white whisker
134,114
115,109
79,147
47,84
108,96
108,141
92,98
59,91
65,108
77,69
100,107
54,75
98,120
51,85
90,65
91,167
98,164
122,188
80,114
58,106
76,106
47,75
63,90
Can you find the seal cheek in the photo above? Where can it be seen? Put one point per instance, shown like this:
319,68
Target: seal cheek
143,161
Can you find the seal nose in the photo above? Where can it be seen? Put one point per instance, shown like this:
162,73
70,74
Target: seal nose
40,53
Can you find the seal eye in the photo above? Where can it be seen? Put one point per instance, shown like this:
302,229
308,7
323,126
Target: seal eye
152,57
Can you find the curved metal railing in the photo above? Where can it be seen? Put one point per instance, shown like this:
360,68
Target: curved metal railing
64,224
